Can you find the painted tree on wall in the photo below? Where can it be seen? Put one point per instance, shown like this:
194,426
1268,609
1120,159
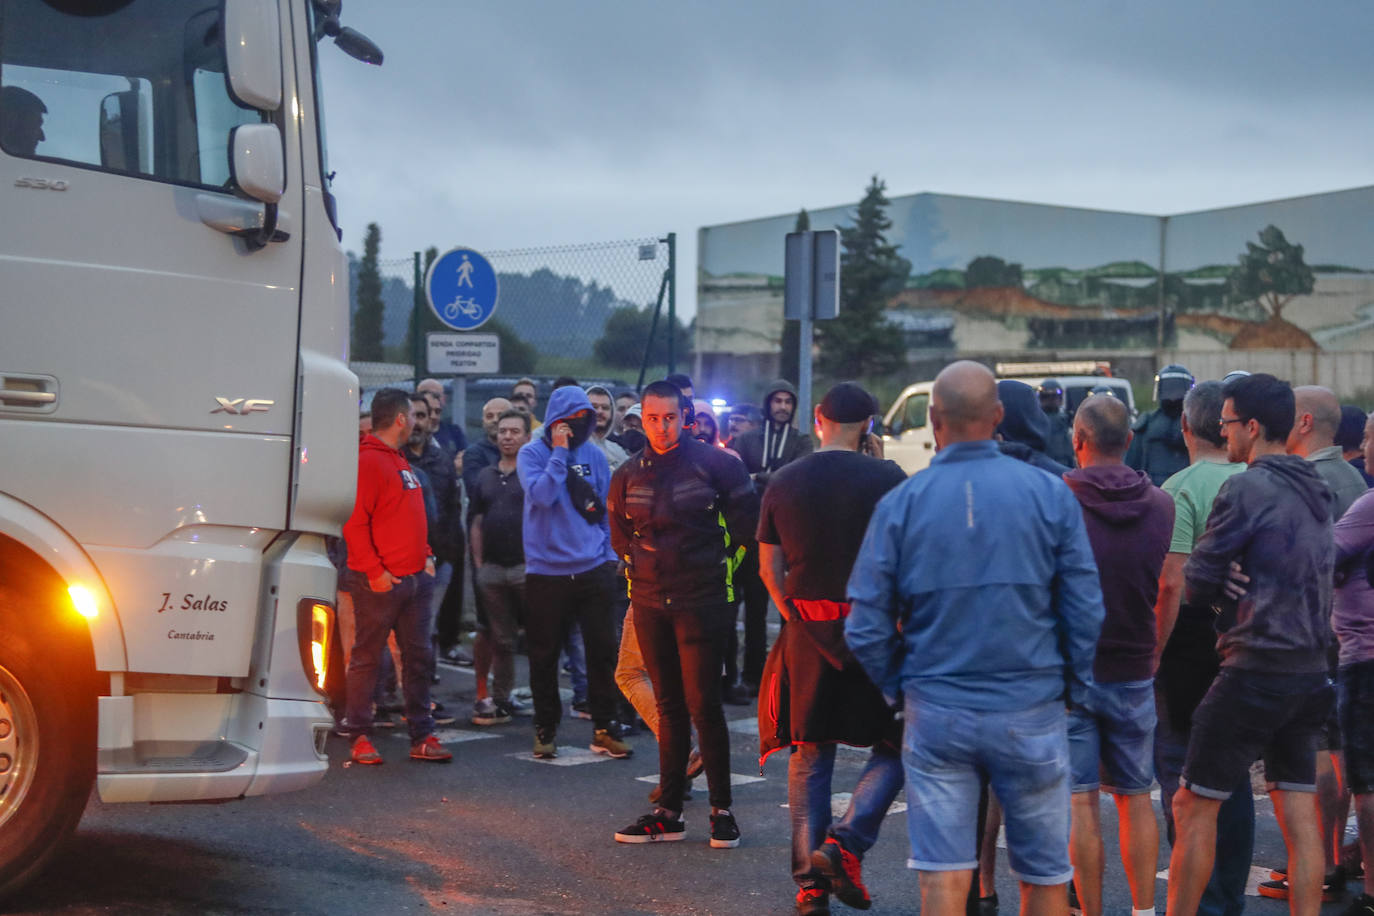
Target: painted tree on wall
862,341
1270,273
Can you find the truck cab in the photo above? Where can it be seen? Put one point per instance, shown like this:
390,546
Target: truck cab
178,418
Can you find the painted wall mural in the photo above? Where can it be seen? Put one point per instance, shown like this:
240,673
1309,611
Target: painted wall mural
990,275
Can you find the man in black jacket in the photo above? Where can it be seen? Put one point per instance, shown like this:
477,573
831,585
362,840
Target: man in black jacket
682,514
810,529
764,451
1272,696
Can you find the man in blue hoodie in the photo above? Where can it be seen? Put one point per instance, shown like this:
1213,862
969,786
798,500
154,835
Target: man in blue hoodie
1272,696
569,567
975,600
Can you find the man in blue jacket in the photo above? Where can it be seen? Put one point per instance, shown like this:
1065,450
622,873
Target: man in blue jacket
975,600
569,567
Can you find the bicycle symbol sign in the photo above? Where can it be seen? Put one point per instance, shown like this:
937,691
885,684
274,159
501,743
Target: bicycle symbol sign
462,289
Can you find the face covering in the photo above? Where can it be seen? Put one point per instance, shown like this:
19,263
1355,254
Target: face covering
581,428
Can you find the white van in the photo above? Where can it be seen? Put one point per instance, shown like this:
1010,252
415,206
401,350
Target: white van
909,441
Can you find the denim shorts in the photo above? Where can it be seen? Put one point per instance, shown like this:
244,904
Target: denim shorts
1355,698
1112,739
1248,714
1025,756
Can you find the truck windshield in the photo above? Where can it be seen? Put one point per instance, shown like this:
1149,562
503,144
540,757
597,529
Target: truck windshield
136,88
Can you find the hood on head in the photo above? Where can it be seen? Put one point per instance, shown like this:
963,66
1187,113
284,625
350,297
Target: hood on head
563,403
1302,476
778,384
1115,493
1022,421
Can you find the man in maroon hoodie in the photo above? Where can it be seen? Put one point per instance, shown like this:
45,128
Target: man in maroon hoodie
391,577
1111,734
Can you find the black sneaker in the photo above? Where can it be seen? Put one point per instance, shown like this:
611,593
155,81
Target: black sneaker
1362,905
544,748
724,831
441,715
658,826
581,710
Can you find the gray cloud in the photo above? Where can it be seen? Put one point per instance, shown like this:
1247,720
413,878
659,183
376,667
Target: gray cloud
521,124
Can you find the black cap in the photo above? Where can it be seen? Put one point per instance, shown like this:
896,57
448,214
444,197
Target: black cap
847,402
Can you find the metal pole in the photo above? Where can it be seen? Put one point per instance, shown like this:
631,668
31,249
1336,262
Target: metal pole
1160,299
803,378
653,329
416,316
672,301
806,273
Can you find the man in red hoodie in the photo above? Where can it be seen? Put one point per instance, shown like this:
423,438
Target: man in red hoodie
391,577
1111,732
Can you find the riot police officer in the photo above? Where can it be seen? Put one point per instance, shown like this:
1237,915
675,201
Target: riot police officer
1158,447
1059,443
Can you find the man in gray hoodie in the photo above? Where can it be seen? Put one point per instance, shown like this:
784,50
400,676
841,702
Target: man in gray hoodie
1273,523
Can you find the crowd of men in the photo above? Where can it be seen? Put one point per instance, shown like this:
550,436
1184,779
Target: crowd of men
1059,606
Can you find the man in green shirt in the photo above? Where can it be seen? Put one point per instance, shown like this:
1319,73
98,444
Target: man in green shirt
1187,645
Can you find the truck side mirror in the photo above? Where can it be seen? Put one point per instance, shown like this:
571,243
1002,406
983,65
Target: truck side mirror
257,164
252,50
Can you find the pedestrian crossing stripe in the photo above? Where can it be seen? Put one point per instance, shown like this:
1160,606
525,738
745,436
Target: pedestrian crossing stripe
568,756
449,735
736,779
1258,873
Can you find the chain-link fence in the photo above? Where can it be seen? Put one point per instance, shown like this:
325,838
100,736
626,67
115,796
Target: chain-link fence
585,311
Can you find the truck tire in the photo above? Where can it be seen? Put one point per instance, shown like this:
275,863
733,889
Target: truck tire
47,740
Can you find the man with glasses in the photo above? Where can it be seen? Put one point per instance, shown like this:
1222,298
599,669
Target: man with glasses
1272,695
524,396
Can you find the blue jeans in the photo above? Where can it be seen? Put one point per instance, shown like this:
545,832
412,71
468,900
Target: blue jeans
1111,739
407,608
1024,755
1225,893
808,798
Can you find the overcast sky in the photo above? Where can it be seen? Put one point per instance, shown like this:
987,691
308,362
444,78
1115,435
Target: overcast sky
518,124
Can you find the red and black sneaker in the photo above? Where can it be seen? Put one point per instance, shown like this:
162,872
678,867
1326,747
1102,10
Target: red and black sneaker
658,826
813,901
844,871
364,753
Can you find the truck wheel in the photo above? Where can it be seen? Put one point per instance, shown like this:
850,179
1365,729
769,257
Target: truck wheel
47,749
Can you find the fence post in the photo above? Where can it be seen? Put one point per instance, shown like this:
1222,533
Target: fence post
416,321
672,302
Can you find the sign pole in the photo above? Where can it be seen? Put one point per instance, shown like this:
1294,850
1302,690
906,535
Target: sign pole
803,377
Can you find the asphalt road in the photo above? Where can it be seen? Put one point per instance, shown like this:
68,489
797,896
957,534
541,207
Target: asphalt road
494,832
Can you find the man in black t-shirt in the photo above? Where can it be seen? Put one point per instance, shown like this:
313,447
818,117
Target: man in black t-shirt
495,508
812,523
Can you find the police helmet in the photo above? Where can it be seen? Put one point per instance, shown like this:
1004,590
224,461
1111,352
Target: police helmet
1108,390
1233,375
1172,383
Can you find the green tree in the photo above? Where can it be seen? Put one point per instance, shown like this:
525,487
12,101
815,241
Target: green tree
1270,273
991,271
862,341
788,366
517,356
626,334
367,320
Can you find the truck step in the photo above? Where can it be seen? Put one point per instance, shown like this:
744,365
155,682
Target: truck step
173,757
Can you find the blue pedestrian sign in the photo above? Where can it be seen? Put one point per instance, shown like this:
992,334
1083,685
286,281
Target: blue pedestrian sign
461,288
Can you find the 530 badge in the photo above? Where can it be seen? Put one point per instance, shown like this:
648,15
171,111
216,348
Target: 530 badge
42,184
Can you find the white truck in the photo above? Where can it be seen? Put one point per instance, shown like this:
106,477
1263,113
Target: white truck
177,417
909,440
